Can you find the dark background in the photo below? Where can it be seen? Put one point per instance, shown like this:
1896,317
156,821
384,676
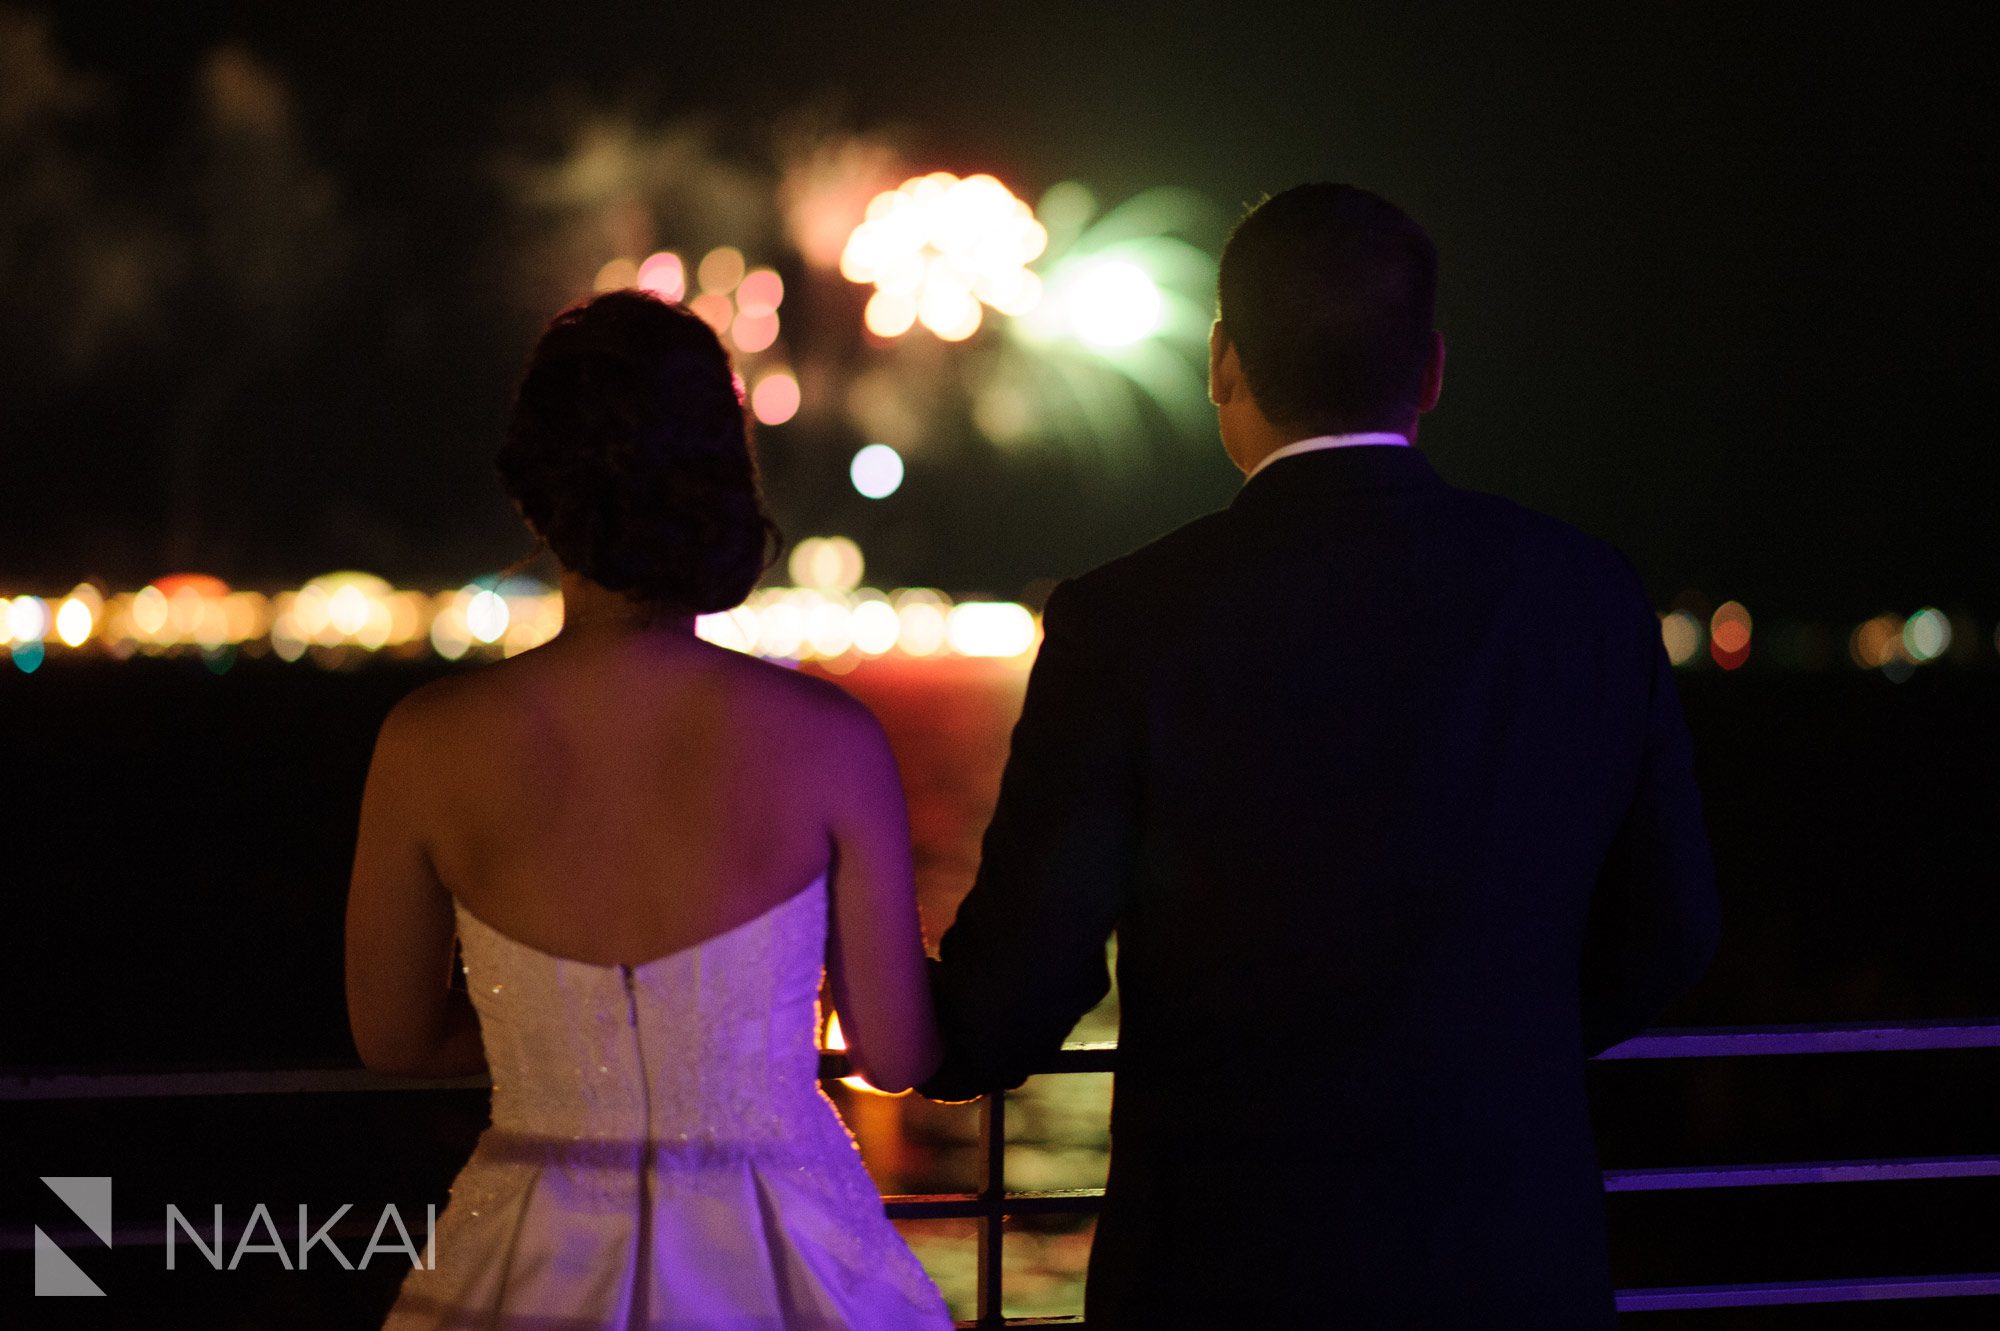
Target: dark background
1718,278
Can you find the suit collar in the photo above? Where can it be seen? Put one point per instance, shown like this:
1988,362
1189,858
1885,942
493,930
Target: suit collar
1336,471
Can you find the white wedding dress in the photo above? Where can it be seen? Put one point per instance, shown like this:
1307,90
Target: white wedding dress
661,1154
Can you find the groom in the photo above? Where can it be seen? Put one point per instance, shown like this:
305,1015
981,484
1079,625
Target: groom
1385,789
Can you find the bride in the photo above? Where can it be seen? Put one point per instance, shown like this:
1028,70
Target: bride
648,848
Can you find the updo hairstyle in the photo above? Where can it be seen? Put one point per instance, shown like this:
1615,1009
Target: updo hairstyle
628,454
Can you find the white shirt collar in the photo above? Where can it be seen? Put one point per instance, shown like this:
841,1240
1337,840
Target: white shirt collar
1319,441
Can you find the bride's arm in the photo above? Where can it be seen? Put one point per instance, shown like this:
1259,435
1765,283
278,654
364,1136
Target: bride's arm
406,1018
875,953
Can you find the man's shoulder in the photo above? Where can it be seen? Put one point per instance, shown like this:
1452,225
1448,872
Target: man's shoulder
1192,556
1552,539
1160,564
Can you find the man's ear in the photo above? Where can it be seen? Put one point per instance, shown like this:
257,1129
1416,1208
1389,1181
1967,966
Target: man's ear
1433,385
528,522
1225,369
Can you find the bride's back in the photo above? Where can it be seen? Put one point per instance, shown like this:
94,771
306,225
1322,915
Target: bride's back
627,791
615,797
646,848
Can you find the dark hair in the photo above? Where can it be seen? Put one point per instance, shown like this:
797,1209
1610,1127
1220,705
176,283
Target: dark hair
1328,294
628,453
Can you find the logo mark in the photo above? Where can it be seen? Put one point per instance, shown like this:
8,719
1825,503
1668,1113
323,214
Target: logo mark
89,1199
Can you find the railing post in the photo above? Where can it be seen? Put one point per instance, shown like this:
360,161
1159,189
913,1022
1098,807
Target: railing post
992,1205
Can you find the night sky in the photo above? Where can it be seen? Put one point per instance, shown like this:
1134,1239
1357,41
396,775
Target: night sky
1718,281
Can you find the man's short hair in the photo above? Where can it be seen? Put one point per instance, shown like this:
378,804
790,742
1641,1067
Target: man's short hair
1328,293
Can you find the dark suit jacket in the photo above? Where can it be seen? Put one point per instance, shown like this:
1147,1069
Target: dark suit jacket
1384,786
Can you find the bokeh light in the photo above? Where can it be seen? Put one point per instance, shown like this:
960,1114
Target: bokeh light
1118,339
1729,635
939,250
890,313
826,563
663,275
450,637
775,399
781,629
148,612
828,630
1926,634
616,276
877,471
948,309
754,331
715,311
1877,642
77,617
735,629
339,619
835,1041
920,621
347,610
760,292
721,269
343,607
28,619
305,612
1680,632
739,303
534,613
1112,303
486,615
990,628
874,626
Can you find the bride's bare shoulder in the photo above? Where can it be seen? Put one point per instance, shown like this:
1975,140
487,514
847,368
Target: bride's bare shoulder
767,683
781,710
812,720
426,713
710,675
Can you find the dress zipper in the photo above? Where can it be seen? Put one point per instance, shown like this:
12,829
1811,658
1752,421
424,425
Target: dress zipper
637,1310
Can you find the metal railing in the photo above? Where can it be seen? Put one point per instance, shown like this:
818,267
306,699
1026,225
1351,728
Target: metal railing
994,1204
